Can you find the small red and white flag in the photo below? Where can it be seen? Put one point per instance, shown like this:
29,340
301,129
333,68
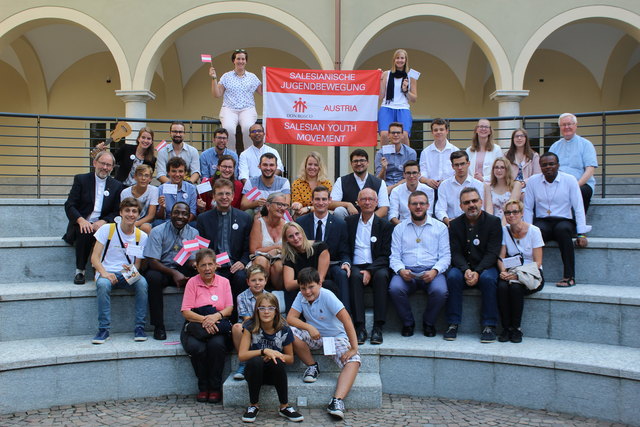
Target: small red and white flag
191,245
222,258
204,243
205,58
287,216
182,256
161,145
254,194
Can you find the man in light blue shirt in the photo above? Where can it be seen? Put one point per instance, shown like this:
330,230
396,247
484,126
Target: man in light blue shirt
577,156
391,158
209,158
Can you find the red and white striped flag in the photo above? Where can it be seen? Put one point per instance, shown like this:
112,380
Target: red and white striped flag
161,145
205,58
182,256
287,216
191,245
222,258
254,194
204,243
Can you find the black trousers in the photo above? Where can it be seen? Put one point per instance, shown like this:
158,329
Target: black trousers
380,284
586,192
511,302
238,281
84,245
562,231
258,372
157,281
207,358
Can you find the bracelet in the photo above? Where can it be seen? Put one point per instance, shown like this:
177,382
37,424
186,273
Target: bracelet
262,352
214,77
581,236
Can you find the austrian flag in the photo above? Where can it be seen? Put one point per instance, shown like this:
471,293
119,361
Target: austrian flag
254,194
202,242
222,258
182,256
161,145
191,245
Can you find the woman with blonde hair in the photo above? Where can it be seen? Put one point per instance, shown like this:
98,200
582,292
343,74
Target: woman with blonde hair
312,173
503,187
483,151
397,89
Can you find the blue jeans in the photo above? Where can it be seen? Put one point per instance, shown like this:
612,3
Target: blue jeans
104,287
488,285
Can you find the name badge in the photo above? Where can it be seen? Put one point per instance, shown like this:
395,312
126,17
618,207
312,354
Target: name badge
135,250
374,239
214,297
132,157
234,226
106,193
476,242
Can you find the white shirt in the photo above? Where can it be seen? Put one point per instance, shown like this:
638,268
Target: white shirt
97,201
487,162
432,251
362,249
526,245
448,205
399,199
116,253
555,199
149,198
436,164
383,196
250,159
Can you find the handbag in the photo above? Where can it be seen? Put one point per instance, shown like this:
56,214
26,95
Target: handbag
529,274
196,329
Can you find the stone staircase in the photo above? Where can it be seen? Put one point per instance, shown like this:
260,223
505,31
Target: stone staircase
580,352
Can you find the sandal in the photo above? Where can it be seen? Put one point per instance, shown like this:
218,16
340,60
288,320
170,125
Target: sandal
566,283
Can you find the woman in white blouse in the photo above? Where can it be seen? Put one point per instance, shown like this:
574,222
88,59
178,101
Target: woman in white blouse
238,105
483,151
518,238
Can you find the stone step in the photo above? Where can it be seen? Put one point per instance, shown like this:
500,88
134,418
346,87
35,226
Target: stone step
32,217
594,380
607,260
615,217
587,313
584,313
365,393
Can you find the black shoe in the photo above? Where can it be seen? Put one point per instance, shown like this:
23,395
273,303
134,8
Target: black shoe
488,334
505,335
361,333
159,333
407,331
516,335
451,333
79,279
428,330
376,335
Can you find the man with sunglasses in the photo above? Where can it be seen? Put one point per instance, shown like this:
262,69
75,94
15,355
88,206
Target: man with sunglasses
475,238
391,158
249,162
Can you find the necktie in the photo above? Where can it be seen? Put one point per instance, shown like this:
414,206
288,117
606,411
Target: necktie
319,232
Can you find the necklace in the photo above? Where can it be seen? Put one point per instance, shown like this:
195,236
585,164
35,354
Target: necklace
546,191
418,236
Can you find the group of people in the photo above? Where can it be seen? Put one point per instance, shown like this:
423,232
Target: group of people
450,220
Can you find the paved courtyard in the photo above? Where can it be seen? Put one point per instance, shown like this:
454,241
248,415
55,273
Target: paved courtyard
396,411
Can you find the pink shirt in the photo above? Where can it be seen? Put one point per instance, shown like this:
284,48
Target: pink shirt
197,294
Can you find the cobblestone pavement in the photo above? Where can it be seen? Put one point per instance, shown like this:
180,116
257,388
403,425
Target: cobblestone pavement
396,411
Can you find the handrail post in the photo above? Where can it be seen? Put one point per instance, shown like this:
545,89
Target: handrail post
38,193
604,153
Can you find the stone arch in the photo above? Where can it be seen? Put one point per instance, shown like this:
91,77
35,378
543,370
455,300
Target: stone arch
152,53
473,28
14,25
623,18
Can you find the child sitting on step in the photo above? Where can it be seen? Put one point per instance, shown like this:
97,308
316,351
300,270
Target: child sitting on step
266,347
328,325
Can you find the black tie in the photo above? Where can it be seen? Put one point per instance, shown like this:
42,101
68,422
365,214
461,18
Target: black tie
319,232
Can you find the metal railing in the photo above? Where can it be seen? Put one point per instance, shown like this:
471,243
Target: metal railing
40,154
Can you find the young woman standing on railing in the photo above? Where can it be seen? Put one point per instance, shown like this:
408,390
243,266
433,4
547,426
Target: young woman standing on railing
238,105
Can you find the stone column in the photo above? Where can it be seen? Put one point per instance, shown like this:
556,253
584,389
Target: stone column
508,106
135,108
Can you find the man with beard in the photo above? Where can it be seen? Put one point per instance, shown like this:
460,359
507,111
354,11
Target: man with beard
476,239
419,256
164,244
92,202
345,191
228,230
267,182
250,158
209,158
551,197
178,148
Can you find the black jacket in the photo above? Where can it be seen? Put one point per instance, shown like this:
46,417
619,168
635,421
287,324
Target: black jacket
475,248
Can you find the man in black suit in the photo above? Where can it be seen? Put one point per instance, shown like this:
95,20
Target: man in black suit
93,201
370,247
322,226
228,230
475,238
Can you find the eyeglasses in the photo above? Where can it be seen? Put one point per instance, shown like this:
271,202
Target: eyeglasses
280,205
177,131
468,202
518,136
106,165
225,167
270,308
367,199
484,127
413,173
511,212
415,204
359,161
395,132
224,194
222,138
257,131
566,125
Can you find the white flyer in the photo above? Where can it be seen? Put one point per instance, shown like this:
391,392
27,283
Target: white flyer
169,188
329,346
413,74
204,187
